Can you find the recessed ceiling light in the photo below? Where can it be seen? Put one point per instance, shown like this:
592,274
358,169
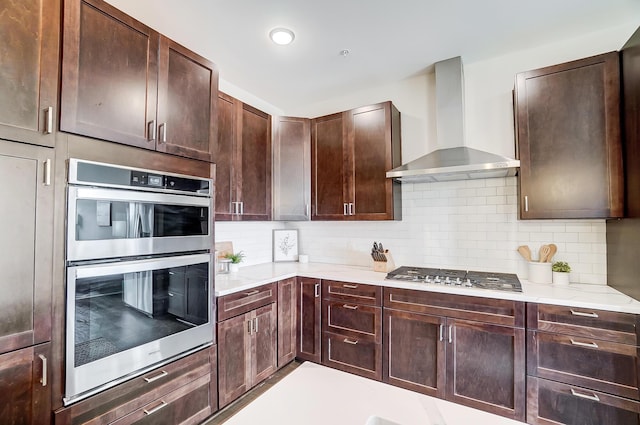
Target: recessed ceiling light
282,36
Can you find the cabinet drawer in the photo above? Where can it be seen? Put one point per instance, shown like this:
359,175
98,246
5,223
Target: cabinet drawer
356,320
582,361
125,398
489,310
241,302
590,323
359,356
554,403
352,292
188,404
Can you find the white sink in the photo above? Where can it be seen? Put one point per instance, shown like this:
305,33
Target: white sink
377,420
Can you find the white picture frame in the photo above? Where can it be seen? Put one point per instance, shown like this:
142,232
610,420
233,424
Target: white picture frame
285,245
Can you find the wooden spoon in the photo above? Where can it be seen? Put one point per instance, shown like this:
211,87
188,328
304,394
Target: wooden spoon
545,250
554,249
525,252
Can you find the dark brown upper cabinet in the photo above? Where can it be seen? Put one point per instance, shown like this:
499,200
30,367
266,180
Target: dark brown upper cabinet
630,58
126,83
350,154
29,32
243,161
569,140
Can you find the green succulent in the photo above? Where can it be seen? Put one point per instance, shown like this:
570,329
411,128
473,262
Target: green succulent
561,266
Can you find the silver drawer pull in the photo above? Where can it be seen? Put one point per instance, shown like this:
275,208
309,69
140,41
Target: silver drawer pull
584,344
248,294
593,396
43,379
155,378
579,313
441,332
349,286
155,409
350,307
350,341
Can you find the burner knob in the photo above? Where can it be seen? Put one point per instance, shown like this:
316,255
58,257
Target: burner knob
437,279
447,281
458,281
427,279
468,283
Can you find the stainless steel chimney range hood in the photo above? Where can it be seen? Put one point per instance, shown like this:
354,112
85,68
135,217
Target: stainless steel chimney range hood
454,161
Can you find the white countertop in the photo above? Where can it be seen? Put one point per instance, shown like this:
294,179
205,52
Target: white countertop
600,297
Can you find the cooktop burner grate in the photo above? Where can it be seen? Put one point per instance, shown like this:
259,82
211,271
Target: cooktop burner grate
461,278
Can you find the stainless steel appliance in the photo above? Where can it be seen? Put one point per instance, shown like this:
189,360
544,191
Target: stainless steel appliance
140,278
458,278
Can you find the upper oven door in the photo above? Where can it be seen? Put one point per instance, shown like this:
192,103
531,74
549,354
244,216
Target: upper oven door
110,223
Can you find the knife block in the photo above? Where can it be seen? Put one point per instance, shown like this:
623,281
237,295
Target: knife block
384,266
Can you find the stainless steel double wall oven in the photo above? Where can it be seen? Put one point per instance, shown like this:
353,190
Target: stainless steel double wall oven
140,281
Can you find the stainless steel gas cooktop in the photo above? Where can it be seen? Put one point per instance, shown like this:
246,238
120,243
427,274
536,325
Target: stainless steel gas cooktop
458,278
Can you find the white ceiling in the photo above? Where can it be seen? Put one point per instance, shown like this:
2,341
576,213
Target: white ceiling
389,40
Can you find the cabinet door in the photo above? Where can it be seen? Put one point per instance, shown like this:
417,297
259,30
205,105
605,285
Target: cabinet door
552,402
29,70
329,169
486,367
254,170
414,352
225,155
355,355
309,319
630,58
234,358
109,75
264,344
370,144
25,393
187,102
569,140
291,169
287,329
26,226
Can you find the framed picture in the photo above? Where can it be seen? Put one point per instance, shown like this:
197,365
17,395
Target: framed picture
285,245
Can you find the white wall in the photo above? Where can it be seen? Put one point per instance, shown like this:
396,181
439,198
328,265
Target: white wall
454,224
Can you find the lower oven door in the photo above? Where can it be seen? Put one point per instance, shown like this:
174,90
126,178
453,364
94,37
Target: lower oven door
125,317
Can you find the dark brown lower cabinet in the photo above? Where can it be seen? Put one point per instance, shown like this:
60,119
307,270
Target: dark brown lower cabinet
309,318
287,331
182,392
24,379
360,356
246,351
552,402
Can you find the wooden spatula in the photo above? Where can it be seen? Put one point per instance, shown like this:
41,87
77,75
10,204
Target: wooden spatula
554,249
525,252
545,250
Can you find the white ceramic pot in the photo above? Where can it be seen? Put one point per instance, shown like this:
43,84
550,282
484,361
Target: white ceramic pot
560,278
233,268
539,272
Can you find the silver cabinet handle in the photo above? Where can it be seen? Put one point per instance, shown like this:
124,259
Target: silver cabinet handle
344,209
351,209
526,203
250,326
450,334
316,290
584,344
255,324
306,210
163,132
151,131
349,286
593,396
47,172
43,379
48,120
350,341
248,294
161,375
170,294
155,409
441,332
350,307
241,208
579,313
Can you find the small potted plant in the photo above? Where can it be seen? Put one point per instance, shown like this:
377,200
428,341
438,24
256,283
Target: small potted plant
560,271
235,260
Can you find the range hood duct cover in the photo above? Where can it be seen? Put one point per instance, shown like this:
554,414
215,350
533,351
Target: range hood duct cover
453,161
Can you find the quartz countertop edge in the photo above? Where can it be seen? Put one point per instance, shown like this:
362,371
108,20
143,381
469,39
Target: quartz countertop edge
601,297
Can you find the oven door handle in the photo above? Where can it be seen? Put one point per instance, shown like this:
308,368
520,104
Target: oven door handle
136,196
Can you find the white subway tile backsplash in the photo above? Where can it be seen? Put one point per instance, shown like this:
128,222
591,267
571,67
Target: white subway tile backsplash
459,224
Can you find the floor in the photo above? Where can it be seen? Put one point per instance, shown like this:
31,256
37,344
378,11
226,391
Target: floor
312,394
